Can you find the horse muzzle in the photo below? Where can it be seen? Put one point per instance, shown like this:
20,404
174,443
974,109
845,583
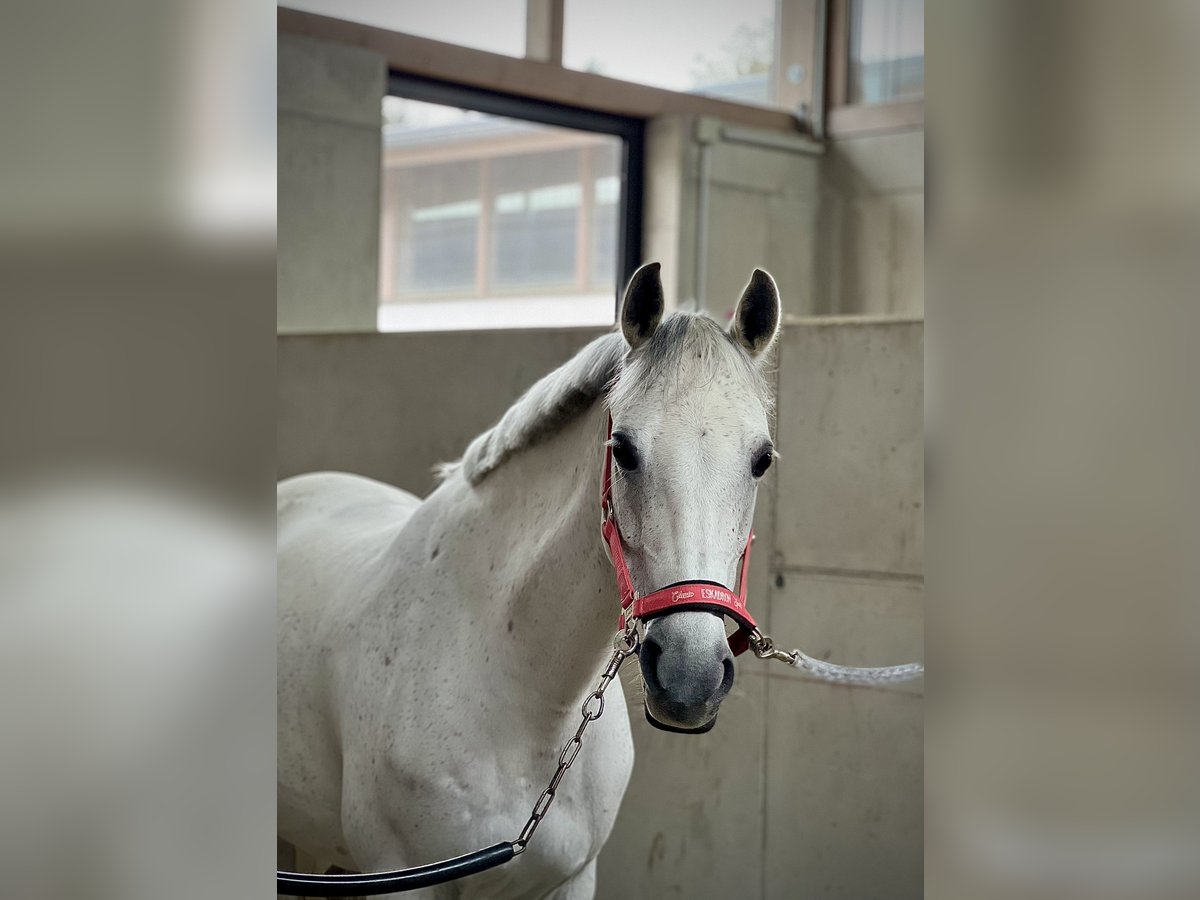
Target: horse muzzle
687,668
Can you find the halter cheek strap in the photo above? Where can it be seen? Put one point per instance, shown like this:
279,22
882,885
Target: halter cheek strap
707,596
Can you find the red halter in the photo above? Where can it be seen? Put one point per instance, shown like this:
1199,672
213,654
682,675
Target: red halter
696,595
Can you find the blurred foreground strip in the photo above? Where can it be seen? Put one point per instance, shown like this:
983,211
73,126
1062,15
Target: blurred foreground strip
1063,724
133,687
137,283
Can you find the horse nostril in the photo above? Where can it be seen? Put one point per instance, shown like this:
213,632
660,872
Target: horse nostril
727,680
650,654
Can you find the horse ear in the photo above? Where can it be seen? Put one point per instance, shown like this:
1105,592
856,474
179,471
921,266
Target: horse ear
756,319
642,309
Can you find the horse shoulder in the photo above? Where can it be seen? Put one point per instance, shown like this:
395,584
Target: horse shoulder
333,528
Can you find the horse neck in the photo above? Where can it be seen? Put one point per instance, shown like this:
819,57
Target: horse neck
555,607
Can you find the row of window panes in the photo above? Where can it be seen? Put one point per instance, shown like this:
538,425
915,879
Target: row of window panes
533,233
713,47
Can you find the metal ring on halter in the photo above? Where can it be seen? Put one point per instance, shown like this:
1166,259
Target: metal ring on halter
627,641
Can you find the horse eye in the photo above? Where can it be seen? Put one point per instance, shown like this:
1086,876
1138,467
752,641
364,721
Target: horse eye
762,463
624,452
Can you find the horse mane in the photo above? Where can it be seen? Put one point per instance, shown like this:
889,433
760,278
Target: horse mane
602,366
551,403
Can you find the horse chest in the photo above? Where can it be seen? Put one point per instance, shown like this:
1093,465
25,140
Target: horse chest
460,790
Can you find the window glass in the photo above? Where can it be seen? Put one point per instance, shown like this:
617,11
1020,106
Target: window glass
887,51
605,168
497,26
440,242
713,47
538,197
490,222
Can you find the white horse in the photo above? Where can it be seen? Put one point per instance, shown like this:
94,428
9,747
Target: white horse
433,655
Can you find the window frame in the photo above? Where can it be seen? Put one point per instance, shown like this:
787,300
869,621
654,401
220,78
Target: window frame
845,119
629,129
529,76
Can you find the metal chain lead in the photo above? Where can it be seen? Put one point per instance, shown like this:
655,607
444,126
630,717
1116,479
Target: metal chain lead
624,646
764,648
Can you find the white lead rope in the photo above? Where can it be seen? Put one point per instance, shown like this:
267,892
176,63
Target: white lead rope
855,674
764,648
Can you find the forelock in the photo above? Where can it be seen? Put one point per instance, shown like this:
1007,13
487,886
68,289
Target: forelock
687,350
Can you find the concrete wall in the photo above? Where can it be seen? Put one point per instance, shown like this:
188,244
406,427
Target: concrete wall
391,406
844,765
328,168
842,232
871,235
803,789
760,210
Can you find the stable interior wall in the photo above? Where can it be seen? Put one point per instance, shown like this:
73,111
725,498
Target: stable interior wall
330,116
716,209
392,406
840,227
871,234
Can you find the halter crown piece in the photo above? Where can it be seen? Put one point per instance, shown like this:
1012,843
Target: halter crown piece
706,596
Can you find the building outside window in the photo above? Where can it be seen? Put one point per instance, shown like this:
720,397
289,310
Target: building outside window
489,221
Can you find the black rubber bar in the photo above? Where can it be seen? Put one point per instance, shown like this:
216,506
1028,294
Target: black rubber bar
372,884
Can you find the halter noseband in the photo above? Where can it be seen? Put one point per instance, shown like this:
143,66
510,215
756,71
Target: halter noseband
706,596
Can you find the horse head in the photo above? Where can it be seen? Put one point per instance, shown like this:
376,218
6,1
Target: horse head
690,442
